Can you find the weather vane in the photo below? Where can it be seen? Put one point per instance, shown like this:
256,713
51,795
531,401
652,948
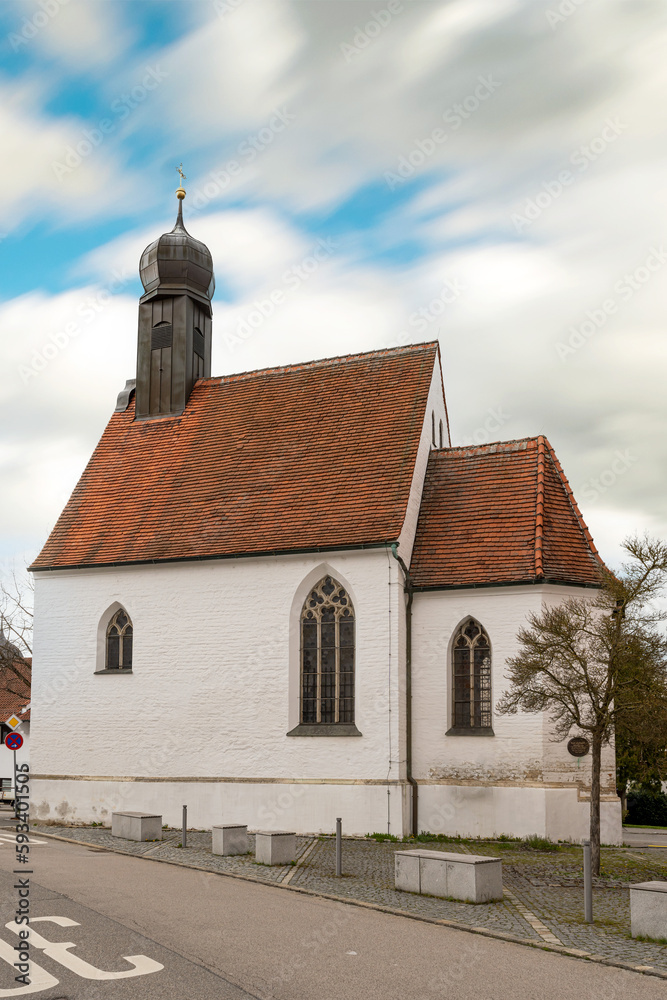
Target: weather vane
180,192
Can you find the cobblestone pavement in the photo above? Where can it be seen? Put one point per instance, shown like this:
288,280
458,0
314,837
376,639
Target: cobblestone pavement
543,891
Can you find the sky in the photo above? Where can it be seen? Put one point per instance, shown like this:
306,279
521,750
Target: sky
488,173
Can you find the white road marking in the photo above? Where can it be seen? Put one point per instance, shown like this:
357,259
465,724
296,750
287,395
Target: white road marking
59,950
39,978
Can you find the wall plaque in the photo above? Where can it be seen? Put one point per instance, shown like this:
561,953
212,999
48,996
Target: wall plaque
578,746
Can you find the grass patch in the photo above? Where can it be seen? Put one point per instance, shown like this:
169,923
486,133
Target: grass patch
382,837
649,940
437,838
637,826
537,843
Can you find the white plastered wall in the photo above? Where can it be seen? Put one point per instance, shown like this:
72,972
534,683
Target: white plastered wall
517,781
435,414
213,693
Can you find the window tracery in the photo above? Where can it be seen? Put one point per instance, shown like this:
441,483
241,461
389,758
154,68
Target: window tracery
472,677
119,642
327,655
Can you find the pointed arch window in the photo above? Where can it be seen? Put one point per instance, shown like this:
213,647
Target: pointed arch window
119,642
471,670
327,662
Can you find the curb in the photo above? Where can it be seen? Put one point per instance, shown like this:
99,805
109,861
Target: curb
439,921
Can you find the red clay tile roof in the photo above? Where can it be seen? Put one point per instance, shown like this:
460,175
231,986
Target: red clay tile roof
501,513
318,455
10,703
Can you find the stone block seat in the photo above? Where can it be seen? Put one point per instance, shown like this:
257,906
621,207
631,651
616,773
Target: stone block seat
648,909
469,877
232,838
275,847
136,826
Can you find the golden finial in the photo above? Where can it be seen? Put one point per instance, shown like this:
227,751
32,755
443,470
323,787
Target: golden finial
180,190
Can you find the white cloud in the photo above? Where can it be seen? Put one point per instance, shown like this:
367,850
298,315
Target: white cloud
523,288
82,35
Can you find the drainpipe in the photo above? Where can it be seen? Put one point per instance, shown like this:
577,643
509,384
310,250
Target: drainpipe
408,589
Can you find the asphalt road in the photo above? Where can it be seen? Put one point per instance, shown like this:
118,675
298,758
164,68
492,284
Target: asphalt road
634,837
225,938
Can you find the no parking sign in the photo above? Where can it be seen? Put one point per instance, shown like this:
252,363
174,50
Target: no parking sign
13,741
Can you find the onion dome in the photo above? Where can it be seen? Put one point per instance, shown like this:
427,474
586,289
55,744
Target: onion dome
178,261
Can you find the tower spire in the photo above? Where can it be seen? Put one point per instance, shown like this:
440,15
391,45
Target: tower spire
174,347
180,194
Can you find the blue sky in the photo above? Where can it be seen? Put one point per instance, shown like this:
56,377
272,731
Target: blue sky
511,150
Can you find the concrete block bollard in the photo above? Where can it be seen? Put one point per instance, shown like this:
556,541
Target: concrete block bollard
469,877
275,847
232,838
648,909
136,826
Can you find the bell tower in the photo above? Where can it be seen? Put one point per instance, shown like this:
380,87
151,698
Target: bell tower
174,348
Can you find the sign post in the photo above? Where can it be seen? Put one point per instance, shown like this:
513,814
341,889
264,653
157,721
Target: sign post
14,741
578,747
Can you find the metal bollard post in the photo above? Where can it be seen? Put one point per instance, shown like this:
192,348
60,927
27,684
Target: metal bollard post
184,836
339,846
588,884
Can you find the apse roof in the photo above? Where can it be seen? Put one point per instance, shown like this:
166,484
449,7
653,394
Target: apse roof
501,513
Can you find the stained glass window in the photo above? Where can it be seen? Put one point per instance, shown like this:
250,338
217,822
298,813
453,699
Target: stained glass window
472,677
119,642
327,655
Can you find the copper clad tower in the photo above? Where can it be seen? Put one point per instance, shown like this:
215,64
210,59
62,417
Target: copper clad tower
174,347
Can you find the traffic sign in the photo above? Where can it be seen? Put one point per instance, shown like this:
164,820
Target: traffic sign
13,741
13,722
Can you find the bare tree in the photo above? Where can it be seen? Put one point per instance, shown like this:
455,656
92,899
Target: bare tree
16,636
589,658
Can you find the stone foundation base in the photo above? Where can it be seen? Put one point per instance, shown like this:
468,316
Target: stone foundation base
312,807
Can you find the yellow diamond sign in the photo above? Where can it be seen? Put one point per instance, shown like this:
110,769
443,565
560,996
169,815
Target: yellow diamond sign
13,722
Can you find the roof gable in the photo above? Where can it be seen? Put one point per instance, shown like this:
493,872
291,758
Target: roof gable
501,513
319,455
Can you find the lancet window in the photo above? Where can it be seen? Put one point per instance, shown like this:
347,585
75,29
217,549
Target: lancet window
327,655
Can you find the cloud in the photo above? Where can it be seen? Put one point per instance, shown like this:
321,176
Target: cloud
83,36
520,102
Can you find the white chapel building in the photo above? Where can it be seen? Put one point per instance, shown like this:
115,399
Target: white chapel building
281,596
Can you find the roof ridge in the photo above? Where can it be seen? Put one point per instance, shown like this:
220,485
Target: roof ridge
539,509
573,503
484,448
300,365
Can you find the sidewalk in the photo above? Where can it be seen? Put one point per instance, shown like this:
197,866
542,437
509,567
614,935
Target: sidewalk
543,902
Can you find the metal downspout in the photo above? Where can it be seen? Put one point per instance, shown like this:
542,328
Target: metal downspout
408,589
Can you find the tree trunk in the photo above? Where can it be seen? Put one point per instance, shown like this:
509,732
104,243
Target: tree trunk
595,804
